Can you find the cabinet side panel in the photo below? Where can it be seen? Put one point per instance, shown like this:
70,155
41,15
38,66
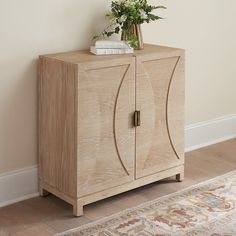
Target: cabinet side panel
57,125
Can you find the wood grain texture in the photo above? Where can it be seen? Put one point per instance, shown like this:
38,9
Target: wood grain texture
89,148
83,56
160,98
132,185
106,136
57,125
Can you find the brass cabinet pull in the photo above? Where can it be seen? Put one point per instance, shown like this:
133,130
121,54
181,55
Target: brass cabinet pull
137,121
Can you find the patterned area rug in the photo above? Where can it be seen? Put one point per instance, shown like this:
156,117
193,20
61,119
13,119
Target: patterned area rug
206,209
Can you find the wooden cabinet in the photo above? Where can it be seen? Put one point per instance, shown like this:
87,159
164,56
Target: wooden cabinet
108,124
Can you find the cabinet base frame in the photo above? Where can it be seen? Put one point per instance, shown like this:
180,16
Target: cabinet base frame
78,203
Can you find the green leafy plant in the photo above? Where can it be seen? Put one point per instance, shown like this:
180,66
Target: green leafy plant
126,13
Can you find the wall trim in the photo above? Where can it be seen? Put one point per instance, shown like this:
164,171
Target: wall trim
22,184
18,185
209,132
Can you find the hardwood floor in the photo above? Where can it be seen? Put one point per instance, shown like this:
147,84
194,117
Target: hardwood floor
50,215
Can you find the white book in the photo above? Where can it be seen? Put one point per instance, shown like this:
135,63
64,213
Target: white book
104,44
110,51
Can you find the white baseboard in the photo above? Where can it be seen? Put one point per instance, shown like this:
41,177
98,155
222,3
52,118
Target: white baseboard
18,185
22,184
205,133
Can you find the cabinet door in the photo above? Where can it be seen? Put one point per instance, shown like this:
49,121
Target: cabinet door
160,99
106,134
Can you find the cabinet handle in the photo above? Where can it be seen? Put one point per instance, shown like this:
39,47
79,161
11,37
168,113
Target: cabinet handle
137,121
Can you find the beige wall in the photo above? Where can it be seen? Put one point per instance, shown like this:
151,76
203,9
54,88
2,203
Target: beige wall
29,28
207,30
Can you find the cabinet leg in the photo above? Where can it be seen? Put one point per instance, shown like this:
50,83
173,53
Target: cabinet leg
180,177
78,208
43,192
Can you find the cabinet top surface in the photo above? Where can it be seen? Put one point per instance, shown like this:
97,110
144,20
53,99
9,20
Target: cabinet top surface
85,56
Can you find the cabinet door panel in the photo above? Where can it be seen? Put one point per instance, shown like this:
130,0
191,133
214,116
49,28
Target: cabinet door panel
160,98
106,136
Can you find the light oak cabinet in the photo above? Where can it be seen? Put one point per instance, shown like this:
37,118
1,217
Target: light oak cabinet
108,124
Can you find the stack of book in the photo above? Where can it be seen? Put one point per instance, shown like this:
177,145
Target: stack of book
108,47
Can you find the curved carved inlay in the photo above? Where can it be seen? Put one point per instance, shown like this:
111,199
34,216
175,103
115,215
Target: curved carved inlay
167,104
114,122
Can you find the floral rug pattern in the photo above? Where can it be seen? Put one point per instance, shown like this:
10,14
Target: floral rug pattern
207,209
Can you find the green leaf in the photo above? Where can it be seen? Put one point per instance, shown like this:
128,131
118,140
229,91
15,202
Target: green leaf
109,34
134,11
117,30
